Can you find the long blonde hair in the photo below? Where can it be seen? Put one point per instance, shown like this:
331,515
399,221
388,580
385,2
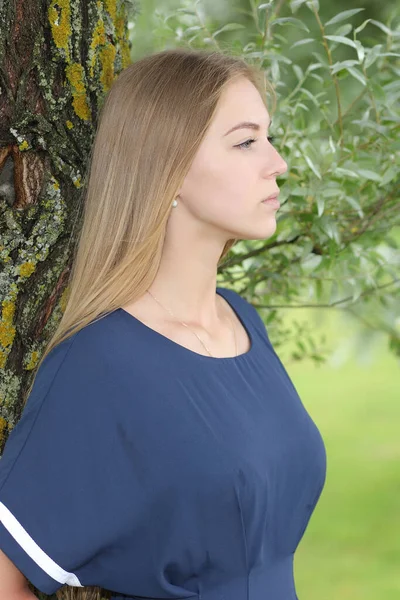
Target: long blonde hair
152,121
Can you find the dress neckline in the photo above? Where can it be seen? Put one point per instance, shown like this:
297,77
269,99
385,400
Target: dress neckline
224,292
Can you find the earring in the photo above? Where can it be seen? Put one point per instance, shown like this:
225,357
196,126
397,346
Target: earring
175,203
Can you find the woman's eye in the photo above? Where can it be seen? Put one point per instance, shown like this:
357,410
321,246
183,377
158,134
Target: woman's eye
245,145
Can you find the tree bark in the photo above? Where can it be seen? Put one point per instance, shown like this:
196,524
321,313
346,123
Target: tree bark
57,61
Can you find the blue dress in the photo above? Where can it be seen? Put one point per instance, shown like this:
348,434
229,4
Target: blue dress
154,471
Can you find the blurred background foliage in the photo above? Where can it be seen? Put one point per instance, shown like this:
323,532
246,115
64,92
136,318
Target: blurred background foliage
336,76
327,282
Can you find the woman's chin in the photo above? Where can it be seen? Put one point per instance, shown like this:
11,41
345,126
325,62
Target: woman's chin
264,230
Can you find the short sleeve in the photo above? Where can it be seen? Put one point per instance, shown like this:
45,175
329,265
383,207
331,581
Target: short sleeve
65,475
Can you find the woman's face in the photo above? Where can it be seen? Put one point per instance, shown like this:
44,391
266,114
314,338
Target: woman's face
226,183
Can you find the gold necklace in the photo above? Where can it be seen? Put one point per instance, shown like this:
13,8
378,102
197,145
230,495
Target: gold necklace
171,313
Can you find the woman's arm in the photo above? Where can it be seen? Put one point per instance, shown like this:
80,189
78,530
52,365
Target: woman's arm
13,584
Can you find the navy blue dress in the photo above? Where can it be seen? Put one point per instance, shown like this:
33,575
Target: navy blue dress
154,471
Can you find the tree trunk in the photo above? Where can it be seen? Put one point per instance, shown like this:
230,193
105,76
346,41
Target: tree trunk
57,60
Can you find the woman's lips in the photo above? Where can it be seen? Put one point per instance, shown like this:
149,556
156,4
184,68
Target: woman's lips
272,202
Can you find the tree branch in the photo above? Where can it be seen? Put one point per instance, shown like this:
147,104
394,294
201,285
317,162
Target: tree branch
366,292
239,258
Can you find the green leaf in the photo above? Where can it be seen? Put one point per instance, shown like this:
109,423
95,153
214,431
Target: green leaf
370,175
331,231
342,16
291,21
382,26
332,192
338,66
295,4
317,77
353,202
282,39
357,288
311,262
341,40
313,5
389,175
377,90
310,96
298,71
321,58
394,344
301,346
299,191
361,26
312,166
348,172
320,205
357,75
190,29
331,145
275,71
343,30
229,27
301,105
342,74
391,242
313,66
360,51
366,123
305,252
302,42
372,54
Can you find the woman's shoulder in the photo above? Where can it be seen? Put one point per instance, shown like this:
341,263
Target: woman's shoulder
244,307
94,358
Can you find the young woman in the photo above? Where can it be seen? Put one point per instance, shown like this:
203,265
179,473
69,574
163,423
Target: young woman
163,451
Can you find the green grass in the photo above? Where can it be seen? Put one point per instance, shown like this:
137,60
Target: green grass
351,548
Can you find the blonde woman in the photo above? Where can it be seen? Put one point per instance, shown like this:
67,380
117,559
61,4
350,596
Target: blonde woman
163,451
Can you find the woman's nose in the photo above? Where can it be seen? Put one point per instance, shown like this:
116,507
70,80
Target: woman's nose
276,165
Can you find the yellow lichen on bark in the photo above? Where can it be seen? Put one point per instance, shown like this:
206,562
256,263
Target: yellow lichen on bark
107,58
64,299
24,145
111,8
7,329
75,75
108,53
33,361
99,35
126,54
120,24
60,23
8,310
3,427
26,269
98,39
3,359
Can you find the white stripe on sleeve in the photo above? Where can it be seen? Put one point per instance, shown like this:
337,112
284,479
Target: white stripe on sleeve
44,561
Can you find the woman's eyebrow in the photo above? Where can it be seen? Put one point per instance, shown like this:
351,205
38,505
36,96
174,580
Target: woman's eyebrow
246,125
